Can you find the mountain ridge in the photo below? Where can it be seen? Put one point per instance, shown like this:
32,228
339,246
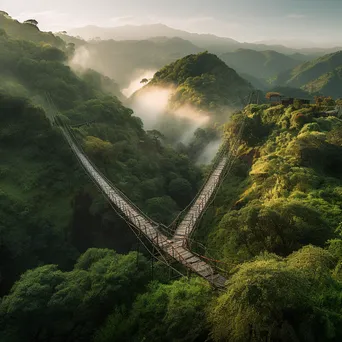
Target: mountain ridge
260,64
216,43
202,80
319,75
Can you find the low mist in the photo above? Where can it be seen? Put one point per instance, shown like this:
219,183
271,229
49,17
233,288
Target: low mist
136,83
177,125
194,121
153,107
209,152
81,59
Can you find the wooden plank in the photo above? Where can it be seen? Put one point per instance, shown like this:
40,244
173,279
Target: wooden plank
174,248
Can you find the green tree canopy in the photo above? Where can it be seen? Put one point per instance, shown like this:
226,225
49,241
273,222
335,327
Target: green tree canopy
48,303
166,312
271,299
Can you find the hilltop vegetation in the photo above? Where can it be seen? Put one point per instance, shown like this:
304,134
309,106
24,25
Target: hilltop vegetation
290,193
283,196
193,97
203,81
28,32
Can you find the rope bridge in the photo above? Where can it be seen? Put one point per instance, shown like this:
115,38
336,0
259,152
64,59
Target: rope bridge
176,246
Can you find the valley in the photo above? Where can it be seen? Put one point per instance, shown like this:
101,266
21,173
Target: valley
213,210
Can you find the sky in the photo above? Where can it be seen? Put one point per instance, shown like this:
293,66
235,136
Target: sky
308,22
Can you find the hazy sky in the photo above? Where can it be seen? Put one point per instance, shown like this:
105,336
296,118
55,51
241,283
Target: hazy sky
316,21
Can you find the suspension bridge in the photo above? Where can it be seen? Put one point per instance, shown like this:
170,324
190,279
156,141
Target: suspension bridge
175,246
188,224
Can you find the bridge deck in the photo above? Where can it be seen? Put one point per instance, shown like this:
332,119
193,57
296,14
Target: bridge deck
172,247
188,224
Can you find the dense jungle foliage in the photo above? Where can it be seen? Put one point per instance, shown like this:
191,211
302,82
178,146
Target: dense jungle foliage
276,226
289,193
67,269
62,214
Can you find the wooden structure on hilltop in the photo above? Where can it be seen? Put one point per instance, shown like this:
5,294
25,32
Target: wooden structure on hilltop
271,95
285,101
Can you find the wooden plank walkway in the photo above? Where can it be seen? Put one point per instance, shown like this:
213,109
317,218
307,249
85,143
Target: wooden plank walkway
173,247
187,225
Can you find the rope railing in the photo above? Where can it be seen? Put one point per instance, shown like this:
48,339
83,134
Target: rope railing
71,138
175,222
138,220
228,162
216,161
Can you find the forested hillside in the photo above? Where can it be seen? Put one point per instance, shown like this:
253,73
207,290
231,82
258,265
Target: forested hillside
260,64
27,31
321,75
283,197
61,210
290,193
189,99
203,81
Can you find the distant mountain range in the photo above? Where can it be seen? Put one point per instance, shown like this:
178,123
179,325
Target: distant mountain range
132,32
208,41
125,60
313,70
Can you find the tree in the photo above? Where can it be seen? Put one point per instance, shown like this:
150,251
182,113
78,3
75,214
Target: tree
31,22
335,136
161,209
48,304
254,130
179,309
298,120
324,101
280,227
97,147
144,80
272,299
329,101
156,136
24,310
181,191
